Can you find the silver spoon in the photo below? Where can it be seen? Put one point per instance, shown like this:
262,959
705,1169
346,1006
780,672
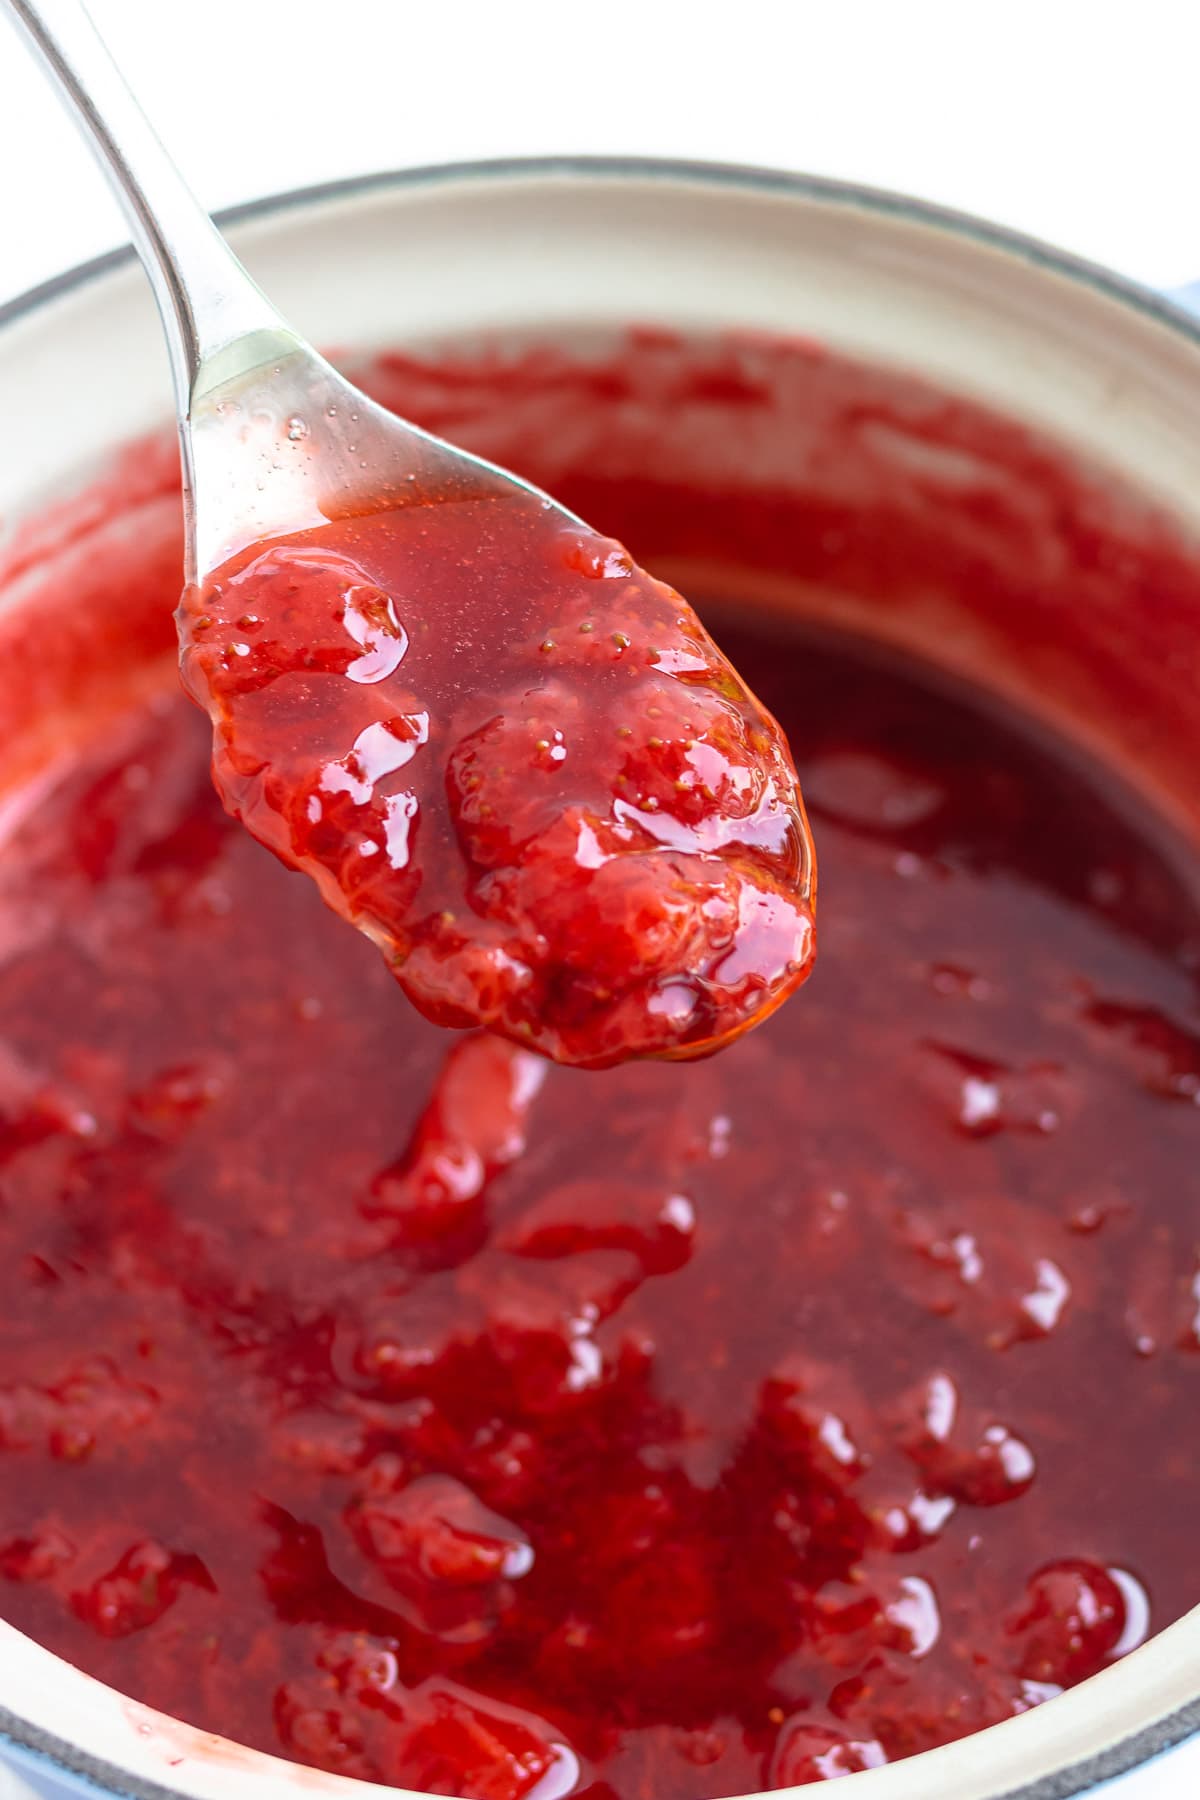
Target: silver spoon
274,441
276,444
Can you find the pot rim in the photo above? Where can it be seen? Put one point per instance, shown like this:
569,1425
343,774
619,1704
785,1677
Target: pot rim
756,178
32,1744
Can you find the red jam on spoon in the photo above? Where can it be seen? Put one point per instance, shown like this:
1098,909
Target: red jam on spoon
519,764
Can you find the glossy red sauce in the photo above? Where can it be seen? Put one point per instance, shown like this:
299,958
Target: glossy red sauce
425,1412
520,765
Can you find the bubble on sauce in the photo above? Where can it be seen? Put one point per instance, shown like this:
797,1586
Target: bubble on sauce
956,980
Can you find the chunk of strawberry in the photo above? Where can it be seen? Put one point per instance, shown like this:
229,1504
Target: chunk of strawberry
815,1415
436,1531
492,1752
410,1343
965,1453
507,781
688,754
664,1609
38,1557
542,1321
141,1587
449,1556
1068,1624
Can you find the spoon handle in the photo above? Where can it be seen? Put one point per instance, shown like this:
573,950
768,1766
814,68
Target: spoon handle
205,297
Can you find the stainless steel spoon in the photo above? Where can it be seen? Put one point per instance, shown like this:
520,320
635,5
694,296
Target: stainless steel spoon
276,443
274,440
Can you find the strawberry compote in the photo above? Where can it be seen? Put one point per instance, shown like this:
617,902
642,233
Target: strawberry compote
519,764
417,1409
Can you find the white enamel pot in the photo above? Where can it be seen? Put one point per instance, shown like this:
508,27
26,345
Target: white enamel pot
1100,364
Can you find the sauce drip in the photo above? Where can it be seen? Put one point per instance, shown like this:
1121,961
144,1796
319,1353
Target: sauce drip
521,766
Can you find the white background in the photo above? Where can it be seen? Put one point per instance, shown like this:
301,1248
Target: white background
1076,120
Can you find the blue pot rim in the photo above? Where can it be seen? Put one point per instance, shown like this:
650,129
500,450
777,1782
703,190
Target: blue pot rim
95,1775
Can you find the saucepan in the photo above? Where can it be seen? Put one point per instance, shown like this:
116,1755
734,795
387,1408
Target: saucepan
564,247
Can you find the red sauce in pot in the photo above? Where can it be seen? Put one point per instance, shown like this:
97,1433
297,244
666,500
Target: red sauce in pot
422,1411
